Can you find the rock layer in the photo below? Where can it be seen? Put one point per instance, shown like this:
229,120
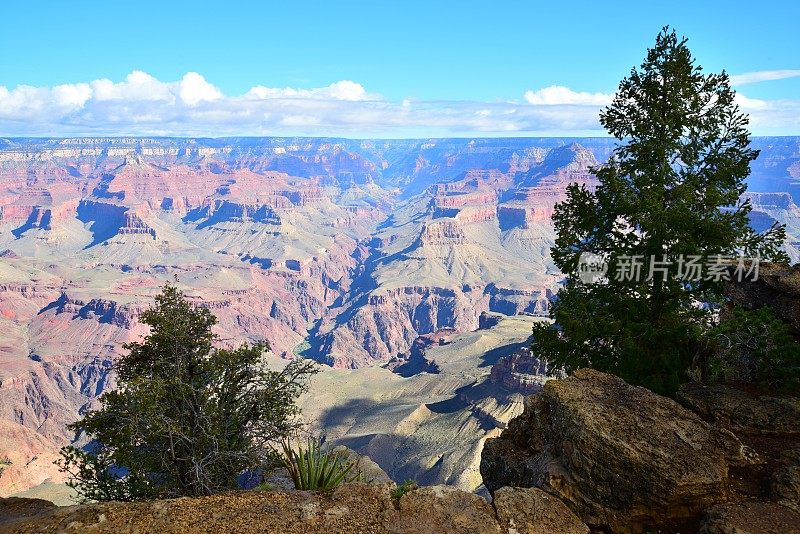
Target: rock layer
620,456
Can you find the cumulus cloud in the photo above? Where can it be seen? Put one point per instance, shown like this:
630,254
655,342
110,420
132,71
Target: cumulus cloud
559,95
194,89
104,100
72,96
193,106
763,76
138,86
343,90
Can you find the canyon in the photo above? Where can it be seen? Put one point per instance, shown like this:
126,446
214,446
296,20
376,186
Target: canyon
413,269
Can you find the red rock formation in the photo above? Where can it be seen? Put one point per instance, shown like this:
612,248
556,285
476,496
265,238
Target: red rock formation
521,372
441,233
390,320
475,198
415,361
228,210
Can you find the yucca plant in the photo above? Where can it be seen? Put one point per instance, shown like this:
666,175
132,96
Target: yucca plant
313,468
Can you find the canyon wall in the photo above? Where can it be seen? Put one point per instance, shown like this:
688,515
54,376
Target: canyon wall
346,251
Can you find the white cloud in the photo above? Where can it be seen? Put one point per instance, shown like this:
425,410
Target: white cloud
343,90
750,104
560,95
72,95
193,89
347,90
141,87
192,106
763,76
138,86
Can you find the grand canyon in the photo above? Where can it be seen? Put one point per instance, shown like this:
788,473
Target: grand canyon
412,270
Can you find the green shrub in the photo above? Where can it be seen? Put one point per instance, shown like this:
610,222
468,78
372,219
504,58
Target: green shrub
313,468
402,489
756,347
188,417
264,486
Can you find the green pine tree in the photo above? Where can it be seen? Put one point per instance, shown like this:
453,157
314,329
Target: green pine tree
187,418
670,190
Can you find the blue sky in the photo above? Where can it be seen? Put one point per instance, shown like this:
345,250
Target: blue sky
402,68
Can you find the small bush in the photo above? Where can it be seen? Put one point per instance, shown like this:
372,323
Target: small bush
402,489
189,416
264,486
756,347
312,468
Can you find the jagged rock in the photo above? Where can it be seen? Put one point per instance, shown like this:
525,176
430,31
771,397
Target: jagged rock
522,372
516,301
438,509
488,320
532,511
751,518
619,456
740,411
415,361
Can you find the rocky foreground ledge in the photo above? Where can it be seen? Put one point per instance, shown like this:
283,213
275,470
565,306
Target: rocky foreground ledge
352,508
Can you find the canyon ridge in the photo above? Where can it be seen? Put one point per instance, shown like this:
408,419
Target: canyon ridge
413,269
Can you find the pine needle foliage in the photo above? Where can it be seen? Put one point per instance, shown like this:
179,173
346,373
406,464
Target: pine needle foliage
671,189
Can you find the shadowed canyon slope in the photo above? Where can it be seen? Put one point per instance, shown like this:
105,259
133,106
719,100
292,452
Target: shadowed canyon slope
341,250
